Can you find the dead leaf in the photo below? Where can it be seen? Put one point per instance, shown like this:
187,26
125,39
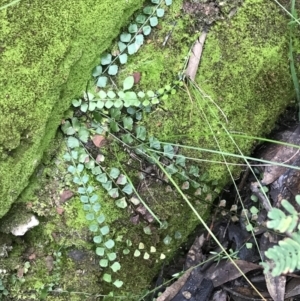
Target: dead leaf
49,263
98,140
287,186
195,57
276,286
196,287
55,236
136,77
149,218
32,256
60,210
220,295
99,158
267,240
208,197
29,205
172,290
281,154
141,209
20,272
225,271
293,288
195,255
135,219
245,293
66,195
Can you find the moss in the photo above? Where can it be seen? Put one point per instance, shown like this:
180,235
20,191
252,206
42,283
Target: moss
68,231
47,54
247,75
248,79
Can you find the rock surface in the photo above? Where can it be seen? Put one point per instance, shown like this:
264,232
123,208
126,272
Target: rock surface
245,72
47,51
21,229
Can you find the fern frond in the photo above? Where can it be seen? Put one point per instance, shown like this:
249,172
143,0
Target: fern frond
285,255
296,236
288,207
282,222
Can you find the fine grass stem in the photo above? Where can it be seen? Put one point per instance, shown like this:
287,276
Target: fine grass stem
9,4
291,56
203,223
198,95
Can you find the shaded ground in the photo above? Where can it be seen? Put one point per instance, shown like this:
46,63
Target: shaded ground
217,278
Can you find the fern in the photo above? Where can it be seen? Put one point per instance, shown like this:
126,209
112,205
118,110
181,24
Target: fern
285,255
282,222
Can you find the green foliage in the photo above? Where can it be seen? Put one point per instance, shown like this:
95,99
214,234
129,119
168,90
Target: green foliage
282,222
123,98
115,113
80,162
56,272
3,290
285,255
129,42
167,240
118,112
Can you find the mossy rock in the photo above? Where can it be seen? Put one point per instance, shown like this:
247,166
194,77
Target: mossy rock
247,79
47,52
244,85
